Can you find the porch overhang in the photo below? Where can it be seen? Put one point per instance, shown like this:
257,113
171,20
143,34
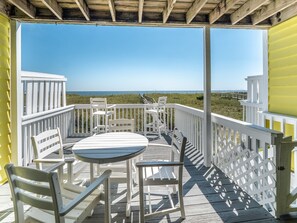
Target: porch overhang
165,13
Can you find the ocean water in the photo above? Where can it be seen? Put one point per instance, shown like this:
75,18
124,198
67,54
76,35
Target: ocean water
102,93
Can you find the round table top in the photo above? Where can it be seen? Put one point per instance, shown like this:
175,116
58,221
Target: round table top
110,147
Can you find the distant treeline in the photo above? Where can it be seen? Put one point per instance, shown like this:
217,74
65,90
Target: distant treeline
227,106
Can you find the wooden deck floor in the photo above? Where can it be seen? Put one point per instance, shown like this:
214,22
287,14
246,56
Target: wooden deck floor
209,196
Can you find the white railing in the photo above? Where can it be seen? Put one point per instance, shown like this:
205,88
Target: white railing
244,152
287,125
247,155
36,123
189,121
81,125
254,102
42,92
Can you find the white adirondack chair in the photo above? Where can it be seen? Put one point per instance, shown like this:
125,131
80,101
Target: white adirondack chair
49,201
48,142
170,172
158,116
100,114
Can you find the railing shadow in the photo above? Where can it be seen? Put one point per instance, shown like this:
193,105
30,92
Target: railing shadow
223,197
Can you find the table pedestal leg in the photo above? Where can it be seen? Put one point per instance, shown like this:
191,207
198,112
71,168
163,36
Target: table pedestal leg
91,172
129,187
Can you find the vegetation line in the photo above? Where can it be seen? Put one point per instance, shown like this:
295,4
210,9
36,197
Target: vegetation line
229,107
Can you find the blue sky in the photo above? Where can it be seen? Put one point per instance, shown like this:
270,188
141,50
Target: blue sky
102,58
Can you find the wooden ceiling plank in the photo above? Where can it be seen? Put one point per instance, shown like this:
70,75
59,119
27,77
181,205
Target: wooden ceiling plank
284,15
140,10
25,7
271,9
221,9
168,9
112,10
83,8
245,10
194,10
54,7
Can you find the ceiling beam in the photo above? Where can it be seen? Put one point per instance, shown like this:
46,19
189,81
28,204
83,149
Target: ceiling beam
194,10
83,8
271,9
54,7
168,9
284,15
25,7
246,9
140,10
112,10
223,7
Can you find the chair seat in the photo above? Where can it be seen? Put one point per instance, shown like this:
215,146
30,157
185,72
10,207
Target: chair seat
108,113
158,175
154,111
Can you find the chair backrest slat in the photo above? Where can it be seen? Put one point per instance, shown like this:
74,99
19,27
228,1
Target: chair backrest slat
41,189
122,125
46,143
35,201
98,103
30,174
162,101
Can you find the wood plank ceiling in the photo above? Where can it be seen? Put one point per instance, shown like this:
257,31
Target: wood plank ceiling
179,13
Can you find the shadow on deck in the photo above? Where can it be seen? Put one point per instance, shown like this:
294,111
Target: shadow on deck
209,196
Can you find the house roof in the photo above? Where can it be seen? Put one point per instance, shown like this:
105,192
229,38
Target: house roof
174,13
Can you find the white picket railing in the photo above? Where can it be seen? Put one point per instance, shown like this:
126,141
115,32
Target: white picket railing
81,125
244,152
254,102
189,121
36,123
247,155
42,92
288,125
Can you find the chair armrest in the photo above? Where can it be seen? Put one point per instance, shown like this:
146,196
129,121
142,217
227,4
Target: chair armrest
68,145
111,106
158,163
69,159
48,160
54,167
93,186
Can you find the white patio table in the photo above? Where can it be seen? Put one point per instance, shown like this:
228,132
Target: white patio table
109,148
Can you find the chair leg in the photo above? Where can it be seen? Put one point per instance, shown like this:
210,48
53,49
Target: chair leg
181,200
129,187
107,215
141,196
106,119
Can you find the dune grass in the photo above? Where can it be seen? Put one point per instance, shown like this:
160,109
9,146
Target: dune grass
224,106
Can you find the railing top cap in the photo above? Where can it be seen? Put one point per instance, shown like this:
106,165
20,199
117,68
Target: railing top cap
39,75
254,77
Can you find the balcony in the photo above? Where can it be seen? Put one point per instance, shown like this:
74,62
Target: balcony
242,184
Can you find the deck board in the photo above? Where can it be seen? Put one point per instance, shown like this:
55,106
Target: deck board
209,196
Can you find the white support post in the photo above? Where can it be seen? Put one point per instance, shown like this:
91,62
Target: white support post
264,86
207,99
16,94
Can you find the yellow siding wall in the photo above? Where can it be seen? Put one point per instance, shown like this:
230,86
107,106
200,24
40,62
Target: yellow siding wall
5,142
282,57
